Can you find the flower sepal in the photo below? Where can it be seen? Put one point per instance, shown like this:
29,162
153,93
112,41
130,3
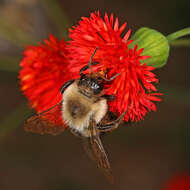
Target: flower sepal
154,44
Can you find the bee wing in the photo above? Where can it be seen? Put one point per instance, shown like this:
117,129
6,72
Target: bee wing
46,122
95,150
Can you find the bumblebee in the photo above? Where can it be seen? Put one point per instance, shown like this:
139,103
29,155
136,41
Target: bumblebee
84,110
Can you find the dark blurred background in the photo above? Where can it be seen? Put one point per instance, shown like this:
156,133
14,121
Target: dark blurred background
144,155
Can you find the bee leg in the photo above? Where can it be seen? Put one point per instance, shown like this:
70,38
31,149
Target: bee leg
76,133
109,97
65,85
112,125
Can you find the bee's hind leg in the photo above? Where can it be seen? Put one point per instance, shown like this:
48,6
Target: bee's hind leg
76,133
110,126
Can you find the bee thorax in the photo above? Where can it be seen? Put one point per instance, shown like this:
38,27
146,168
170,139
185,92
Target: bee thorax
78,109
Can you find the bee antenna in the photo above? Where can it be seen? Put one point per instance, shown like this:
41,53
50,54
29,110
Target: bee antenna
90,60
108,80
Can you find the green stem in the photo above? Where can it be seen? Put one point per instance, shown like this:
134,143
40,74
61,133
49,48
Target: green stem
178,34
180,43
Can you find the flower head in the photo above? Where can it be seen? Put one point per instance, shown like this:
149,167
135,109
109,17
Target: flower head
47,66
133,88
43,72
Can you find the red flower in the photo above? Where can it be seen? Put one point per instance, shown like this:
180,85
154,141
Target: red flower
44,70
133,88
179,182
47,66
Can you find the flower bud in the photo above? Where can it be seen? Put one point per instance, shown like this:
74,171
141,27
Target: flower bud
154,44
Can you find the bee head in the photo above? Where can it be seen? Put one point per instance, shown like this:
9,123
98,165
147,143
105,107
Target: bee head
91,83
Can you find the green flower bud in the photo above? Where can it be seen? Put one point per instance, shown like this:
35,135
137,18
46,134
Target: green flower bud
155,45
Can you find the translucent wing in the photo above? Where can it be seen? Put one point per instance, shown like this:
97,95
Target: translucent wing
95,150
46,122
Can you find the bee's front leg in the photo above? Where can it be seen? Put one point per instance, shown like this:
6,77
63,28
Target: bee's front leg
110,126
65,85
109,97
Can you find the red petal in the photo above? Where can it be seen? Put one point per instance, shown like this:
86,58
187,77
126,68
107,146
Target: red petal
126,37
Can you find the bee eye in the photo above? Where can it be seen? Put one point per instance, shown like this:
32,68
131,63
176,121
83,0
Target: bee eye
83,78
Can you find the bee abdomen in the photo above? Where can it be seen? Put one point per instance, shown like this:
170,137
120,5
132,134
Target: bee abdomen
77,109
